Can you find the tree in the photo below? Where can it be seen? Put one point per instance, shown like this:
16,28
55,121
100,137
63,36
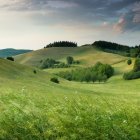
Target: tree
129,61
10,58
131,75
104,78
108,70
48,63
61,44
135,73
34,71
99,78
70,60
93,77
87,77
137,65
99,72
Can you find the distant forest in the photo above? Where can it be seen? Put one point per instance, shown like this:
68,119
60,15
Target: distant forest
118,48
12,52
104,46
61,44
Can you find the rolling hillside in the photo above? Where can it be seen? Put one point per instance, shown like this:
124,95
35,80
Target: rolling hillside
32,107
14,77
12,52
86,55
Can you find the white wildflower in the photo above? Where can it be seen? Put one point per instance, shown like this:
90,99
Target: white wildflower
124,121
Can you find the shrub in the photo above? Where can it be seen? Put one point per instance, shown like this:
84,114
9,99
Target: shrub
55,80
129,61
70,60
10,58
131,75
51,63
61,65
135,73
34,71
76,62
137,65
48,63
100,72
41,61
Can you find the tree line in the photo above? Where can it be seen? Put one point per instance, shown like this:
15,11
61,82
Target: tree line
51,63
61,44
118,48
99,72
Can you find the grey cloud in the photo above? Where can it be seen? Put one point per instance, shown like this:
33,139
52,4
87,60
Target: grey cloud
84,11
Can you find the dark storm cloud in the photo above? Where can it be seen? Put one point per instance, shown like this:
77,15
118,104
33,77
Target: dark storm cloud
84,11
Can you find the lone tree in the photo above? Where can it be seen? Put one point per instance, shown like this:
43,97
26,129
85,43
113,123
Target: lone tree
70,60
34,71
10,58
129,61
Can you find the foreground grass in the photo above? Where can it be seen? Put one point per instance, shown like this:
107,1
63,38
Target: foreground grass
24,116
33,108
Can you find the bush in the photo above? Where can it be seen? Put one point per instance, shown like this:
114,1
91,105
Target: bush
100,72
129,61
34,71
41,61
131,75
51,63
137,65
76,62
10,58
135,73
70,60
55,80
48,63
61,65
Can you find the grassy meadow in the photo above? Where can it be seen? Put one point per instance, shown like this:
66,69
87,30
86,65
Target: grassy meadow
33,108
88,56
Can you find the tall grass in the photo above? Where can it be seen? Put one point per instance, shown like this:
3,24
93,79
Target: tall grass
75,118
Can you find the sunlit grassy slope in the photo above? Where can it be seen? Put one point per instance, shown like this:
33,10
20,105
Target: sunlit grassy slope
88,56
32,107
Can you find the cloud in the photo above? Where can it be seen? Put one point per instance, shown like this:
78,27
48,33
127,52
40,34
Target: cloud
119,26
73,12
136,10
76,18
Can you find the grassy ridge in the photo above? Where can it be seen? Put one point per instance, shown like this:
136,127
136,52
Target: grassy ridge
86,55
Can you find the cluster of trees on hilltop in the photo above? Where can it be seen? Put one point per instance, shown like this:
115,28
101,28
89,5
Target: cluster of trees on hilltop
100,72
109,46
118,48
62,44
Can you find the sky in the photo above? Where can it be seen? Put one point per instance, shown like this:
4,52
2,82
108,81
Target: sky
32,24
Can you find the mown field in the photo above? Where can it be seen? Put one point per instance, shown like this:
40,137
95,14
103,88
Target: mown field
33,108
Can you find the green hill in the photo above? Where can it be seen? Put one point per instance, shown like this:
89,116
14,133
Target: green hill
87,55
32,107
12,52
